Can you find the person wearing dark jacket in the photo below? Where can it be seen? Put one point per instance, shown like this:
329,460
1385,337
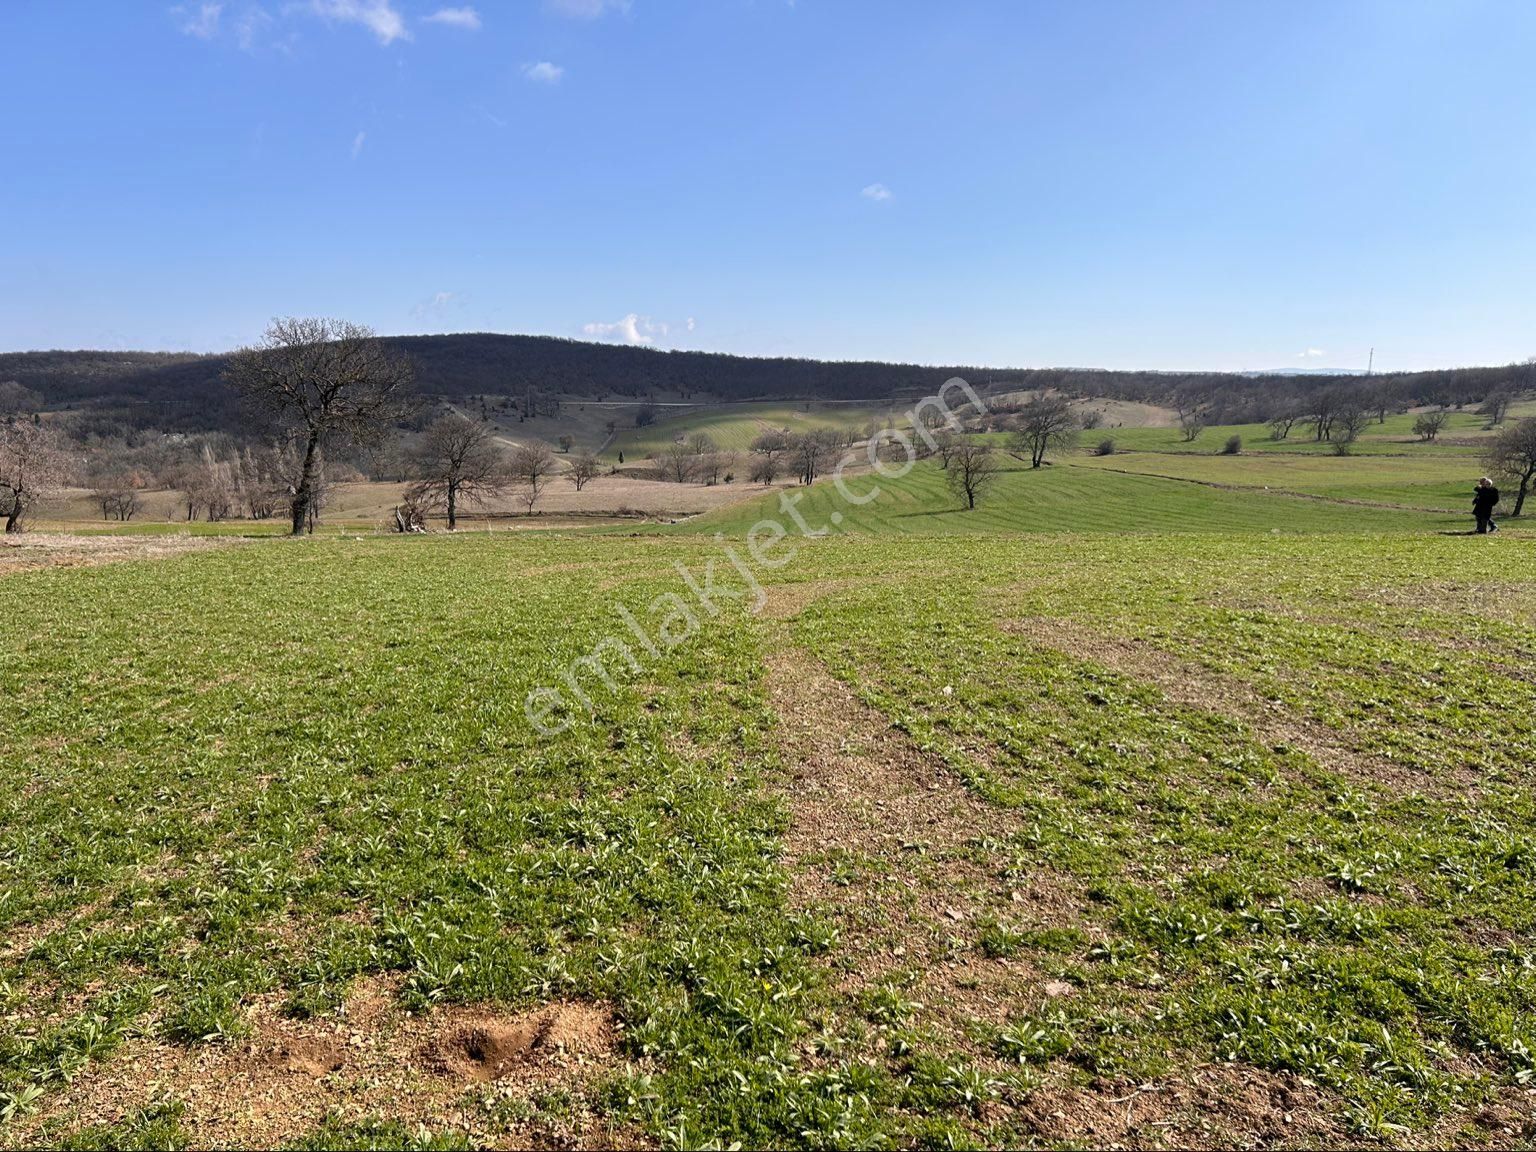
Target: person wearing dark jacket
1485,498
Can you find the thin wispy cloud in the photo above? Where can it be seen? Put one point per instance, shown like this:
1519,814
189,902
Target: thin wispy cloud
437,306
876,192
251,27
466,18
1310,354
378,16
543,72
586,9
357,144
632,329
200,20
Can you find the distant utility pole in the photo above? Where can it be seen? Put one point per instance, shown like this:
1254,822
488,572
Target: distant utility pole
1371,363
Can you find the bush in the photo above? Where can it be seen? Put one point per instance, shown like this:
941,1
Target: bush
1233,446
1105,448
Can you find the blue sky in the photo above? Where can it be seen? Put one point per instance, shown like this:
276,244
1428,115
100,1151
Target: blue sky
1121,184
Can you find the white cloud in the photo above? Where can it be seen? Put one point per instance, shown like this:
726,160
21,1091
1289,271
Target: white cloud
357,144
437,306
1310,354
586,9
543,72
690,323
632,329
200,20
378,16
466,18
876,192
249,28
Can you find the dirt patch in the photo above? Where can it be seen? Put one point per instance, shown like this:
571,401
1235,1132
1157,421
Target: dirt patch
476,1070
1216,1106
1192,686
476,1047
58,550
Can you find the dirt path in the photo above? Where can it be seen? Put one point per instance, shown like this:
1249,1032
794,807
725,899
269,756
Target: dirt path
1272,722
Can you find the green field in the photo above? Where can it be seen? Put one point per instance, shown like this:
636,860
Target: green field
1083,494
1462,435
733,427
1123,809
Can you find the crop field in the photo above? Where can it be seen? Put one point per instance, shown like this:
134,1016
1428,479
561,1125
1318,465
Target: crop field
1124,809
734,427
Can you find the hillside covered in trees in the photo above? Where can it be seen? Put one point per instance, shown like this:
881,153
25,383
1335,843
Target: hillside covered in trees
187,392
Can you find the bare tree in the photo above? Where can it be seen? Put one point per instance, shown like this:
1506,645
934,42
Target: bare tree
1495,406
945,442
701,444
584,468
811,450
1045,423
1191,424
458,460
972,469
1350,420
33,466
1428,425
532,466
1512,457
1322,411
678,463
768,451
1280,425
117,497
712,464
765,469
323,383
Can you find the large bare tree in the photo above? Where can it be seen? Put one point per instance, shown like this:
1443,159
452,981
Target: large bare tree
971,470
33,466
458,460
1512,457
323,383
1046,422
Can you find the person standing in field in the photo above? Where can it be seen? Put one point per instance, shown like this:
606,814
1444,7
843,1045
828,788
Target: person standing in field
1485,498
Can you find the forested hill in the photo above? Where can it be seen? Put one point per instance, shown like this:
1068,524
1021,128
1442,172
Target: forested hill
183,390
479,364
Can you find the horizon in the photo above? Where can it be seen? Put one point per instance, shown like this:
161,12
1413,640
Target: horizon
1117,185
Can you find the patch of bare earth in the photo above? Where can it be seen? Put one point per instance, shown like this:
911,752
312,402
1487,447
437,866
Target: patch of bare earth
1193,686
879,842
58,550
478,1070
1215,1106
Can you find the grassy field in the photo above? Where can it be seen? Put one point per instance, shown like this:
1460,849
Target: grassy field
1073,495
1463,434
1123,809
734,427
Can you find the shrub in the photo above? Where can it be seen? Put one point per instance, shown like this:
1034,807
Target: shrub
1233,446
1105,448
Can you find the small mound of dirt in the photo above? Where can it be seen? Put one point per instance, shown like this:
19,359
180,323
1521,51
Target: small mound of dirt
478,1046
313,1058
